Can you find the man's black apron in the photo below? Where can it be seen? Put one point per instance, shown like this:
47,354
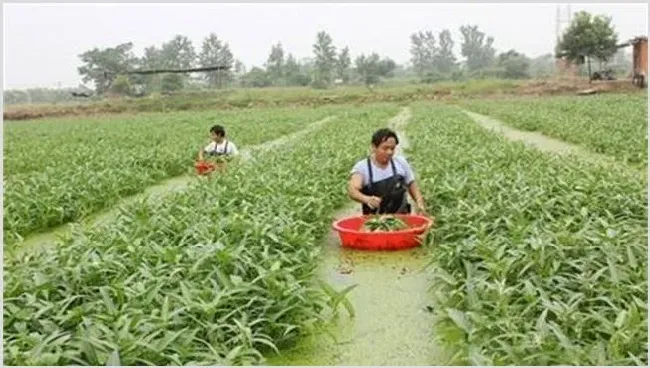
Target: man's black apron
391,190
215,152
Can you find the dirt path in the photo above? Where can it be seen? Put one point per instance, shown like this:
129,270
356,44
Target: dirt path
168,186
547,144
393,323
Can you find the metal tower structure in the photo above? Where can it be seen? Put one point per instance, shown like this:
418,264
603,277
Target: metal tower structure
561,21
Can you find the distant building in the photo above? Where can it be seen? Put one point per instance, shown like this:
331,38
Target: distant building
639,59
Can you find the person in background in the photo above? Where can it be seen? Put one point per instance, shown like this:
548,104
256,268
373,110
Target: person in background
219,146
381,181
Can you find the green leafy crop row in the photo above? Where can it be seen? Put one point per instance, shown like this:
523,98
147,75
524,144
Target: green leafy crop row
539,260
58,172
614,124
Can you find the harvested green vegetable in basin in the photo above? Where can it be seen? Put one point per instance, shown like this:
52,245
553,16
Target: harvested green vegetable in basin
384,223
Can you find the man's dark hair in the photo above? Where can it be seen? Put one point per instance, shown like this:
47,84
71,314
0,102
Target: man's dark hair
382,135
218,130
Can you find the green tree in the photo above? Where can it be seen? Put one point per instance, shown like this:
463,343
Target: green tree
216,53
386,67
423,51
275,65
588,37
343,65
172,82
418,54
294,72
513,65
430,49
371,68
178,53
325,59
11,97
152,59
445,61
256,77
121,85
239,70
102,66
476,48
367,68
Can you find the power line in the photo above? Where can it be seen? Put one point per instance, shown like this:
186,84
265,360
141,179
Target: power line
159,71
191,70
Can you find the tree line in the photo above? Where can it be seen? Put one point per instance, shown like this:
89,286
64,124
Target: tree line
432,60
106,68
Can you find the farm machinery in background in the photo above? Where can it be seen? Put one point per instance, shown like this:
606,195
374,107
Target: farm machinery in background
605,74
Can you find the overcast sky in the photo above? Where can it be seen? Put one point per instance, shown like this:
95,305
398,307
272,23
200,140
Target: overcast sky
42,41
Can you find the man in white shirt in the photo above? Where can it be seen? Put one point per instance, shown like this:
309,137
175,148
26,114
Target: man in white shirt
381,181
219,146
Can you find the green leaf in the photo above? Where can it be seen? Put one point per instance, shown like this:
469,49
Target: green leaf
460,319
114,359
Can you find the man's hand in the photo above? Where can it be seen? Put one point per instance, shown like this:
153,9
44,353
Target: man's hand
421,209
373,202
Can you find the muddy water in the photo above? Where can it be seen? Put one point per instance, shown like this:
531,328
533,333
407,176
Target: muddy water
168,186
393,323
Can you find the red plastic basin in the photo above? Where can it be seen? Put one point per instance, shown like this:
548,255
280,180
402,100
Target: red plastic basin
206,167
351,235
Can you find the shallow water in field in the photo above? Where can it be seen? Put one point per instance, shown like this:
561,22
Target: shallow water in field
535,139
393,321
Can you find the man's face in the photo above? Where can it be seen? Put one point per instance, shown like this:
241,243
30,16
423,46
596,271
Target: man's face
216,137
384,152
